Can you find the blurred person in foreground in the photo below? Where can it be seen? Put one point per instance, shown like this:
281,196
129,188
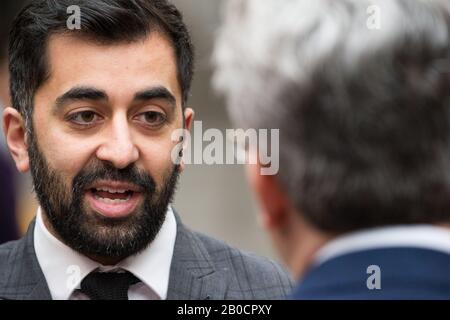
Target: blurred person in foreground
94,109
361,204
8,224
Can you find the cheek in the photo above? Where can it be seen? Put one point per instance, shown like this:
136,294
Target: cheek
64,153
156,158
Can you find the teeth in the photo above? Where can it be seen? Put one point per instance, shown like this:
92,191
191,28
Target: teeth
111,190
112,201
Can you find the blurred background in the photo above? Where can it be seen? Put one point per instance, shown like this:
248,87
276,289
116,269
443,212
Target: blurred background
211,199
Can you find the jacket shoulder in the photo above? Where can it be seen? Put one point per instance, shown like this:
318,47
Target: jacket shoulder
403,273
249,276
9,259
7,251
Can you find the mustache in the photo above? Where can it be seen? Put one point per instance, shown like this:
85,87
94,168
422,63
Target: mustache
106,171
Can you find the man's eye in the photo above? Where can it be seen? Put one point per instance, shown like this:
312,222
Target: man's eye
152,118
84,117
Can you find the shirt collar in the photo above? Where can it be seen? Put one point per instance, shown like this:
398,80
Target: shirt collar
415,236
64,268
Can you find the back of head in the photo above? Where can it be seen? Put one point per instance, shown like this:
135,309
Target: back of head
361,93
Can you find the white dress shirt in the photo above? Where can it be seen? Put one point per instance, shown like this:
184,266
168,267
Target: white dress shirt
64,268
414,236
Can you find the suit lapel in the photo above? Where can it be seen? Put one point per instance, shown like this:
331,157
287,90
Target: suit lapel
192,274
25,280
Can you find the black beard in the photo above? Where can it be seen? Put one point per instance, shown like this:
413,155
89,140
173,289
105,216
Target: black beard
87,232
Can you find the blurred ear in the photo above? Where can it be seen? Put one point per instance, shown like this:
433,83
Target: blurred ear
15,133
273,202
188,118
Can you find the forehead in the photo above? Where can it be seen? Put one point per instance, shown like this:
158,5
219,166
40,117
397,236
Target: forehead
119,69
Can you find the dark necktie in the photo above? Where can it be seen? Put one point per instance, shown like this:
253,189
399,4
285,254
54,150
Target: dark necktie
108,286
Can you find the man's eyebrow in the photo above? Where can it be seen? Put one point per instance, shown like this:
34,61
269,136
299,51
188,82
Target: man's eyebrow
156,93
81,93
93,94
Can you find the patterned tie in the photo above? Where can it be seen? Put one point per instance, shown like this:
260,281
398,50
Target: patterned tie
108,286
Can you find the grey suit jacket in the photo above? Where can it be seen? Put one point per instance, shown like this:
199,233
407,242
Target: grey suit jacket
202,268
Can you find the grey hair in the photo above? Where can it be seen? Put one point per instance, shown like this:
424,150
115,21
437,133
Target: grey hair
338,91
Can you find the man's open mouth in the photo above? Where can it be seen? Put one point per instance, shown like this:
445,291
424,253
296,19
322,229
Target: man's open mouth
113,199
112,196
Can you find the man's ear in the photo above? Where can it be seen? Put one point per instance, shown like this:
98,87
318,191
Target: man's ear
15,133
188,118
273,202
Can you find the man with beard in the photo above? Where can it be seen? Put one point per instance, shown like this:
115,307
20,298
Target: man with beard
94,110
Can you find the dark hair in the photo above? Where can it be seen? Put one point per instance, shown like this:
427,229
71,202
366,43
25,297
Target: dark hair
105,21
375,137
376,142
9,9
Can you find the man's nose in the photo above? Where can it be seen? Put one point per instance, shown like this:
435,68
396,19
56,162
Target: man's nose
118,148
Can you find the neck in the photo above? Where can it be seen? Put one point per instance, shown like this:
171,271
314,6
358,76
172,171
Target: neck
303,242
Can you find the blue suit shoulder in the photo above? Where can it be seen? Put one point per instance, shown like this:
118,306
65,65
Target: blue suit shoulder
403,273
